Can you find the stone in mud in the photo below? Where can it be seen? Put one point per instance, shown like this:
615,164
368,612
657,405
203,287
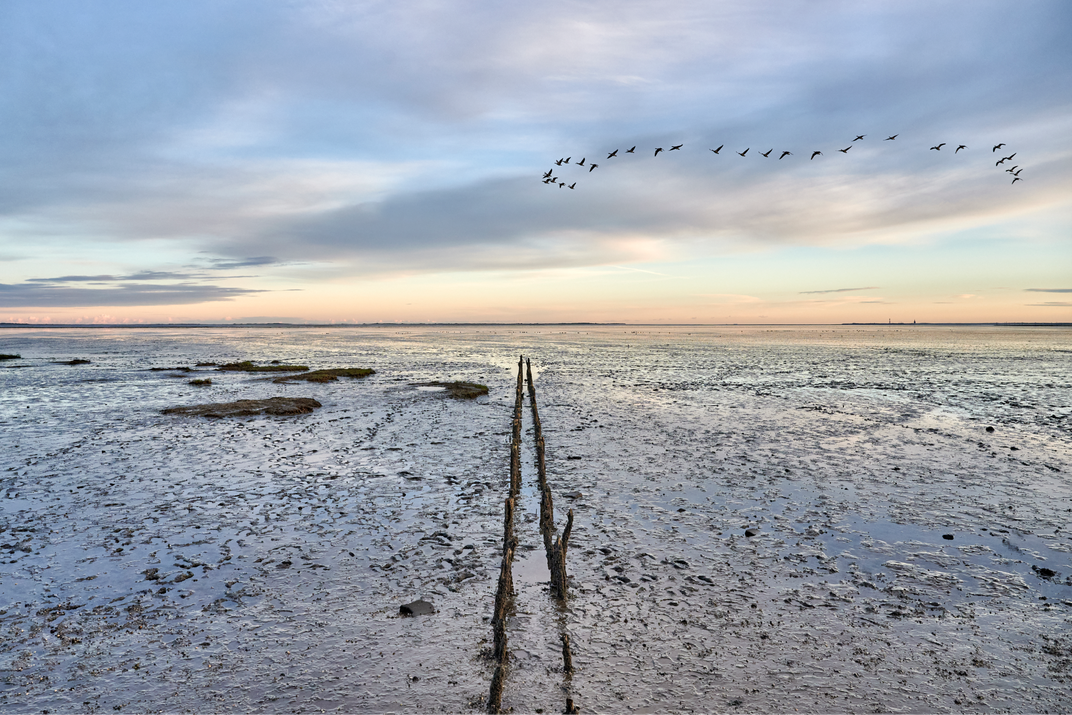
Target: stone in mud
947,537
76,361
1043,572
420,607
243,408
573,495
751,532
989,429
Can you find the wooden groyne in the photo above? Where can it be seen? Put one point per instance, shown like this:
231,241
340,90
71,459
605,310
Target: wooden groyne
554,546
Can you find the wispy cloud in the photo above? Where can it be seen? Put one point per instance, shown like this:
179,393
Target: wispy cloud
31,294
1051,304
1048,290
837,290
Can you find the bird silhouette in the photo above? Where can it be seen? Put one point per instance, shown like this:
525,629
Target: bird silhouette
559,162
999,162
742,153
1017,179
658,150
962,146
938,148
846,149
561,184
568,158
996,147
890,139
675,148
1016,173
574,184
766,153
1010,156
630,151
815,154
592,167
859,137
581,162
1013,170
1005,159
547,181
548,173
785,154
613,153
719,148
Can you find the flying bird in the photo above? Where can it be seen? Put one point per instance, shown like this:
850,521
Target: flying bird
890,139
859,137
1013,170
581,162
630,151
568,158
719,148
547,181
742,153
613,153
548,174
1017,179
675,148
846,149
996,147
815,154
962,146
658,150
767,153
573,185
785,154
561,184
559,162
1016,173
1005,159
938,148
592,167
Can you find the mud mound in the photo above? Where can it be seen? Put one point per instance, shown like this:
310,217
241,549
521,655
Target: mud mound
248,366
243,408
464,390
328,375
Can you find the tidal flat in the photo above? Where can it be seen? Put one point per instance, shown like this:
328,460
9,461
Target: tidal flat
767,519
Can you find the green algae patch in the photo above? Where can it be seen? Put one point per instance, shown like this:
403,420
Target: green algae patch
201,382
10,357
281,406
248,366
331,375
462,390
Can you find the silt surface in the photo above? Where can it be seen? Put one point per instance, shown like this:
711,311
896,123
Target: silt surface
903,557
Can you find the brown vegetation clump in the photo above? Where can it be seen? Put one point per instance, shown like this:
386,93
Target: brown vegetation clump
328,375
10,357
463,390
247,366
201,382
244,408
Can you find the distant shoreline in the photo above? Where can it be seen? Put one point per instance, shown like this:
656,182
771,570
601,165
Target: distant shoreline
112,326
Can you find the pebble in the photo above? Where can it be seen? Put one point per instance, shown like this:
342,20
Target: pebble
420,607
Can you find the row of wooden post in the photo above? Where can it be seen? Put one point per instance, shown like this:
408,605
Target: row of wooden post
554,546
505,591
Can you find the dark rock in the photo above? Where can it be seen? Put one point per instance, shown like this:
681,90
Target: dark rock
420,607
76,361
1043,572
751,532
284,564
947,537
573,495
573,456
989,429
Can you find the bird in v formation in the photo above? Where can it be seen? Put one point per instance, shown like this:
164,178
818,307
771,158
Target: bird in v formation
549,179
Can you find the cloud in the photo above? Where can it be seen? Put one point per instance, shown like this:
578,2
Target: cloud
1051,304
224,264
29,294
1048,290
837,290
140,276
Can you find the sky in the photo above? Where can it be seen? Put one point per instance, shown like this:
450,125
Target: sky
323,161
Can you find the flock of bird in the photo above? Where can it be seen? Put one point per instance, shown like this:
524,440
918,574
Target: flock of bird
550,179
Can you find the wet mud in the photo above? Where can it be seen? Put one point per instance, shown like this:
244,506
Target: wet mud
167,563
